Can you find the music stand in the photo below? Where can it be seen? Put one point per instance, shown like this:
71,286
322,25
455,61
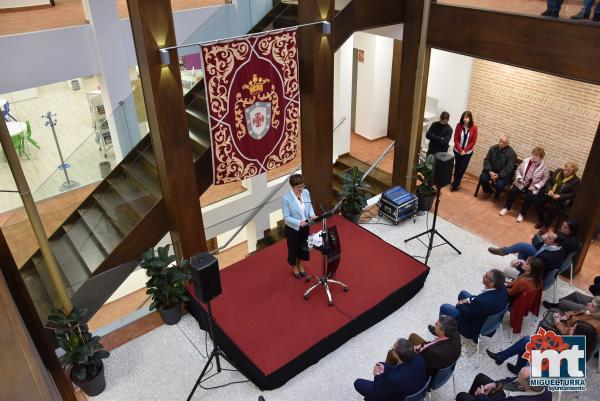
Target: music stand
330,254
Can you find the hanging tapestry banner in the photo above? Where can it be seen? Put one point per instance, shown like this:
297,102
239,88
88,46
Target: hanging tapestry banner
253,101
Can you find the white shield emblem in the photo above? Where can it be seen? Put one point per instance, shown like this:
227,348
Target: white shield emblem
258,119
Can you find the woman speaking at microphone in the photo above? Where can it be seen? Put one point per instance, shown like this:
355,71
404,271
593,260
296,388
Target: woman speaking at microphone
297,212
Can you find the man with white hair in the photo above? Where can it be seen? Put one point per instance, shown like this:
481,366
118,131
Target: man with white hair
498,167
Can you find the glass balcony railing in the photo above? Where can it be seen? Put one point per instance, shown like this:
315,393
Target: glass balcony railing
54,155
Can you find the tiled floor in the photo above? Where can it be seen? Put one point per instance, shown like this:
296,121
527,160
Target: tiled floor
70,13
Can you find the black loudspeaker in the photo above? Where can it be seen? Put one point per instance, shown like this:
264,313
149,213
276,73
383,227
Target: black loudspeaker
205,276
442,169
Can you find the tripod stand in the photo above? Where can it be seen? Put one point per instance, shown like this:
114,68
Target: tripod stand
433,231
216,353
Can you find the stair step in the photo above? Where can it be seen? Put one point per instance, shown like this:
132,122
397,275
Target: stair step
70,262
198,108
117,210
103,230
202,138
197,121
348,161
148,156
137,197
33,282
85,244
147,179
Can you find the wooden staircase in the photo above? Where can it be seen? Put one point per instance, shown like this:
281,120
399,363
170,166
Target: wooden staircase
378,180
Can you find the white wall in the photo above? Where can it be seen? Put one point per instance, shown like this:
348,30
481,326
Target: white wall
342,98
373,84
44,57
449,81
54,55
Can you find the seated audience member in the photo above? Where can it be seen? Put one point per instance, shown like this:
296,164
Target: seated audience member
532,174
595,288
562,188
471,311
531,279
581,328
441,352
569,230
575,301
395,382
439,135
564,322
498,167
514,388
549,251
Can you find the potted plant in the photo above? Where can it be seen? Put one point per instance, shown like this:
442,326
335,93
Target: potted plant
354,194
425,190
166,284
83,352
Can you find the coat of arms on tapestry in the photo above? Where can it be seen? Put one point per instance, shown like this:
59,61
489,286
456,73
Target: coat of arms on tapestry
253,102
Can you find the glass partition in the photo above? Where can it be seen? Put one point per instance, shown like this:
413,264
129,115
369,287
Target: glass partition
65,138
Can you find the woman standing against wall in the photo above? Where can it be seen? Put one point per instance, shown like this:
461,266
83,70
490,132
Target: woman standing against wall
465,137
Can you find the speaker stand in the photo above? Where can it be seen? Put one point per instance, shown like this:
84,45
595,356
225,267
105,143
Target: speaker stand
433,232
216,353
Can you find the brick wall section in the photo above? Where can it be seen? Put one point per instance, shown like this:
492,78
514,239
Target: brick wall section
534,109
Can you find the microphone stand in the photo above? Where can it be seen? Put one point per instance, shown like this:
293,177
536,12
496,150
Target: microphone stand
325,279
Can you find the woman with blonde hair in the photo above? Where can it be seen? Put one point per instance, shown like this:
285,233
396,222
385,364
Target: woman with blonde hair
561,190
531,176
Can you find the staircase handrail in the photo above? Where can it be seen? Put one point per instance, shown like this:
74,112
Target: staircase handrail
378,160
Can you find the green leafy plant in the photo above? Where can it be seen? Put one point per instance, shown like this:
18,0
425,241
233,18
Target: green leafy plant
354,193
83,352
167,277
425,185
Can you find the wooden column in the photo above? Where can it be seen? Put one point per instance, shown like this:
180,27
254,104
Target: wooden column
152,27
404,151
392,127
35,328
586,208
316,82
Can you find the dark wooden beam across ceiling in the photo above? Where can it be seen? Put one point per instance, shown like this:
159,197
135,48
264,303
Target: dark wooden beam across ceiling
554,46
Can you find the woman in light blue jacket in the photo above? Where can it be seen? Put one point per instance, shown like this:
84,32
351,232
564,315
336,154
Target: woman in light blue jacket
297,212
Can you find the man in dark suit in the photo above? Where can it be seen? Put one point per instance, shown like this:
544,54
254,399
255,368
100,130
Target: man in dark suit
439,135
549,251
444,350
471,311
395,382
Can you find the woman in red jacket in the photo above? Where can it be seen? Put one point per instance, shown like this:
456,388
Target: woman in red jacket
465,137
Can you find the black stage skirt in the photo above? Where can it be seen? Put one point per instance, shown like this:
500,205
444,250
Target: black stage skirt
297,244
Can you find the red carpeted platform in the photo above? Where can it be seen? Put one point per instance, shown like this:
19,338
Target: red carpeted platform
272,333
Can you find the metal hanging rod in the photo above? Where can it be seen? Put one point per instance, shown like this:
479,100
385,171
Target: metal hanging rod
164,52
